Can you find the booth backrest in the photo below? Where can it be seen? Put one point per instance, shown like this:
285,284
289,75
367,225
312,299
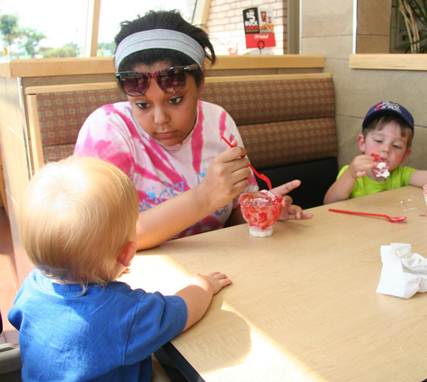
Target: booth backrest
57,112
287,122
282,118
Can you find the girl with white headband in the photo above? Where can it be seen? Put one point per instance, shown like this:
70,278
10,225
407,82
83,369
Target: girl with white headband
165,138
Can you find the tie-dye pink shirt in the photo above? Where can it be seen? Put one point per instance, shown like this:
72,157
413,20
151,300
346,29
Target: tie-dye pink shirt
159,172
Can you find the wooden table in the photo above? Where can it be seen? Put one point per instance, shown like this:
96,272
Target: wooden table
303,306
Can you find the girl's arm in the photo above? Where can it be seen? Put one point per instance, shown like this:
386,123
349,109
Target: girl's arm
226,178
162,222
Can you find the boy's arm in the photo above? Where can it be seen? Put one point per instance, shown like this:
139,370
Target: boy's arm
418,178
198,295
341,188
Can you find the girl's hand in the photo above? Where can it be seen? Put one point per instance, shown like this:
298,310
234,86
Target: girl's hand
290,211
361,165
227,177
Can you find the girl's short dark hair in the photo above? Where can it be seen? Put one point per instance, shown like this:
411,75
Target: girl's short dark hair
164,20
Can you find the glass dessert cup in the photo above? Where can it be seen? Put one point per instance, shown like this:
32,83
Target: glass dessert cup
261,210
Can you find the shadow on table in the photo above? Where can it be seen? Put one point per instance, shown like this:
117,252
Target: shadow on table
232,339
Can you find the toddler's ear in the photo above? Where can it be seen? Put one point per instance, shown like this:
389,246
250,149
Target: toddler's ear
361,142
407,153
127,253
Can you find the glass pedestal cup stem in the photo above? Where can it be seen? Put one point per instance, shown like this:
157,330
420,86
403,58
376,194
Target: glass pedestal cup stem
258,232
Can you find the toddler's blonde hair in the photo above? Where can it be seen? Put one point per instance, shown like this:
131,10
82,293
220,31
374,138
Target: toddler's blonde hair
76,216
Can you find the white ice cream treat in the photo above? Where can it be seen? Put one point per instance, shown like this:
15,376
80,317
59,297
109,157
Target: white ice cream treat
382,170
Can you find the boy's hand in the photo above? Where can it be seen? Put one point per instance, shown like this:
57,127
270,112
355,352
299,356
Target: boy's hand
290,211
198,294
217,281
361,165
226,178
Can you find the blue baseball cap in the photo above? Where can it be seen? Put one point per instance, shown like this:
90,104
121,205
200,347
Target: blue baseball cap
388,108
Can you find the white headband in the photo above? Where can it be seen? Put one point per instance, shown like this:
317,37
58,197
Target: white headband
159,39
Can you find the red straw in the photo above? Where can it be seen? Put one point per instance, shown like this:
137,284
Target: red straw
260,175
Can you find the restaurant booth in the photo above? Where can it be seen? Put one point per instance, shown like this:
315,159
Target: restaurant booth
44,102
304,302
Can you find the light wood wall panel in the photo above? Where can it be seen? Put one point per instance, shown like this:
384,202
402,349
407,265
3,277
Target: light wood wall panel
357,90
373,26
15,161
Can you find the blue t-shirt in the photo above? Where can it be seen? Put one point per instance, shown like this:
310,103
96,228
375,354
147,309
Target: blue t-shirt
105,334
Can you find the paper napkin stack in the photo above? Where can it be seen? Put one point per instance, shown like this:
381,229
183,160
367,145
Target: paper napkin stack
403,273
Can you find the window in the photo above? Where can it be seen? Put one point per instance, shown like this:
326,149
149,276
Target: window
28,31
391,26
114,12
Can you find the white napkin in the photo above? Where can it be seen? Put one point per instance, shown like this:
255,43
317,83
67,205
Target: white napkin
403,273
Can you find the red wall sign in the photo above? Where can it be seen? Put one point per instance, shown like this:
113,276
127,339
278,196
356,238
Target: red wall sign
259,28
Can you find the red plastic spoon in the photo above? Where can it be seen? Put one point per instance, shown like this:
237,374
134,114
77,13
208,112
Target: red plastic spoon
392,219
260,175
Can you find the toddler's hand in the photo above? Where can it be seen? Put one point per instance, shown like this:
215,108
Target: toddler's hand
361,165
226,178
217,281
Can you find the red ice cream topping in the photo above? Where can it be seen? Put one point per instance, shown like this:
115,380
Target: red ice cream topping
261,209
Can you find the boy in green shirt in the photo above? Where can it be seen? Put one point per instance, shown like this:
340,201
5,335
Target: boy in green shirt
385,142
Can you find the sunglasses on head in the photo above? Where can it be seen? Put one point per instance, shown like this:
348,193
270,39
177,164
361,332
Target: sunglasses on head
136,83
